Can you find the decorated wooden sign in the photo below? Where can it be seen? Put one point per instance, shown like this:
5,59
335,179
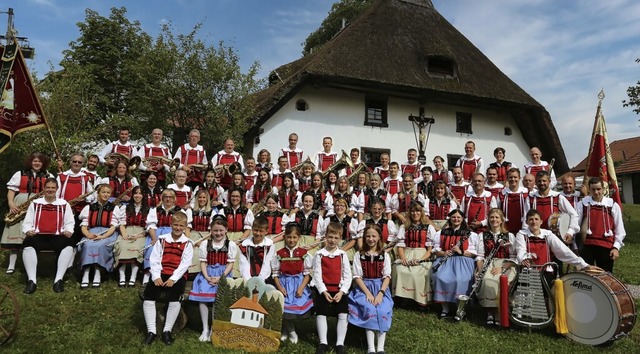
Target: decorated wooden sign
248,315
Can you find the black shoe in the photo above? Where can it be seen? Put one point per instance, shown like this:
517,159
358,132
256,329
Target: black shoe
322,348
339,349
30,288
150,338
166,338
58,286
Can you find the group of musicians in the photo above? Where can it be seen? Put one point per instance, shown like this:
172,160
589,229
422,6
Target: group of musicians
462,212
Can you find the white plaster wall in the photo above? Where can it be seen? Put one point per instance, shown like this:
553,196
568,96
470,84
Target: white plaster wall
340,114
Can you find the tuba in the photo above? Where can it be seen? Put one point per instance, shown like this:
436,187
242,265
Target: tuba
13,218
132,162
343,162
148,162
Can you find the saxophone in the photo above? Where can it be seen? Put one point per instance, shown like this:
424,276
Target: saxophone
80,198
11,218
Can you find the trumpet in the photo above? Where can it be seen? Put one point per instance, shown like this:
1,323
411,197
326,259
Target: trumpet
11,218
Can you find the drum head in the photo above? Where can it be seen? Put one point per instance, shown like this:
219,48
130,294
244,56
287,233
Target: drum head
592,310
563,224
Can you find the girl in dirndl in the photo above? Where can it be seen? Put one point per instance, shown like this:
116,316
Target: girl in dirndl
200,226
291,269
496,236
98,222
217,256
311,224
151,191
453,272
411,271
276,221
370,302
351,240
128,247
23,184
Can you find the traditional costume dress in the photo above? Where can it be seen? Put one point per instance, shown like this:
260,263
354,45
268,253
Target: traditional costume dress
502,167
513,205
349,231
216,194
119,185
439,210
372,268
277,220
290,266
217,255
470,166
227,158
459,190
388,227
490,288
323,160
130,251
159,218
456,275
116,147
294,156
200,228
190,155
323,201
605,230
25,184
412,282
331,273
476,207
158,167
392,185
311,228
183,195
552,203
98,218
412,168
153,196
255,260
382,171
442,175
495,190
239,219
289,199
531,168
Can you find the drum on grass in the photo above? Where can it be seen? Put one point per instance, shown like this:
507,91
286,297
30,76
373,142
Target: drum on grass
600,308
559,223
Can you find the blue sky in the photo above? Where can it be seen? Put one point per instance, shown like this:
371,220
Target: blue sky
560,52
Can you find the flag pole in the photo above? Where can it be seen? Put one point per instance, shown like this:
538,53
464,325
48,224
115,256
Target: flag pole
595,122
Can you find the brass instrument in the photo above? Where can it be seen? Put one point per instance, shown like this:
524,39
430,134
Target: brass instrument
173,164
119,198
258,207
343,162
353,177
464,299
132,162
80,198
11,218
300,165
229,168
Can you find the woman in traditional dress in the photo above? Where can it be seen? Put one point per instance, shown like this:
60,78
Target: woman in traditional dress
311,224
323,199
23,184
216,192
496,236
413,252
99,222
152,191
289,197
350,239
276,218
201,225
133,234
440,205
453,271
259,191
121,181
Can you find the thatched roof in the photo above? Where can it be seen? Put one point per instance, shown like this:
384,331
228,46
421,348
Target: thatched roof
388,49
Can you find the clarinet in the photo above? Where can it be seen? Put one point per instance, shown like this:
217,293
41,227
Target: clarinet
446,257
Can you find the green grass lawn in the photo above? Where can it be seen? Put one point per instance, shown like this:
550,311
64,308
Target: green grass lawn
109,320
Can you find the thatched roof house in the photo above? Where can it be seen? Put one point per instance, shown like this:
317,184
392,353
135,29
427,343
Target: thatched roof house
406,49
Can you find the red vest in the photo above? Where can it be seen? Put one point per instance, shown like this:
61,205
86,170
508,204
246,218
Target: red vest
600,222
74,188
383,173
99,215
255,256
439,211
495,192
326,161
190,157
164,218
545,206
49,218
535,169
502,170
30,184
225,159
411,169
458,191
416,236
201,220
182,198
118,187
288,200
404,201
249,181
235,218
440,176
469,168
331,272
382,223
448,239
156,151
137,219
490,244
291,264
293,157
540,248
392,186
171,256
478,209
275,221
513,208
303,184
217,256
372,266
346,222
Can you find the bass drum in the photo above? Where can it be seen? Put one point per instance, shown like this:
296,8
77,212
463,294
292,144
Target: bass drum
599,307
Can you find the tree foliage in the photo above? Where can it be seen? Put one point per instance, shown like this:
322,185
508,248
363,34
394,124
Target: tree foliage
634,96
343,9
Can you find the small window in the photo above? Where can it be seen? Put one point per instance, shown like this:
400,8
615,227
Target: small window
252,316
302,105
439,66
371,156
463,123
452,159
243,315
376,112
507,131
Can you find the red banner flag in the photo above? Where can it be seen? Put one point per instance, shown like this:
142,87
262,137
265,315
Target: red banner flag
599,161
20,108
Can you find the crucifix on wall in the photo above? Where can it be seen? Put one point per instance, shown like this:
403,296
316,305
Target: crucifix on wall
422,122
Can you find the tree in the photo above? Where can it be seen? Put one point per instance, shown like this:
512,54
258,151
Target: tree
634,96
344,9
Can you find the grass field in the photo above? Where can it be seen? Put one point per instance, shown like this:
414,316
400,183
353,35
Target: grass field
109,320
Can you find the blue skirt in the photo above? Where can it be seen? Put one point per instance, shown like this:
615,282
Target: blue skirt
162,230
98,252
201,290
364,314
453,278
295,305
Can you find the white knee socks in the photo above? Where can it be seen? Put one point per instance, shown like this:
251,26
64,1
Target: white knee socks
65,257
30,260
149,310
172,315
13,258
321,325
341,328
